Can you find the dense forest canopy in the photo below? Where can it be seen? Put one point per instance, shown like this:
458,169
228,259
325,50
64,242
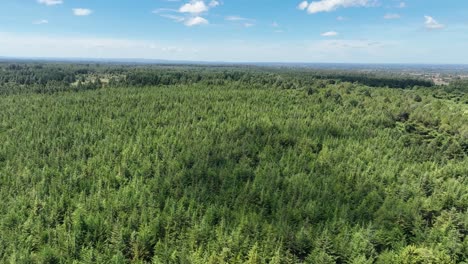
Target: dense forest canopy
52,77
199,164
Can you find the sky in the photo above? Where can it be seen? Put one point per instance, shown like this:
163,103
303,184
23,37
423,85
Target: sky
314,31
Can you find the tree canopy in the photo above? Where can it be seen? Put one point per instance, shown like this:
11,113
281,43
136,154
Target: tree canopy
229,165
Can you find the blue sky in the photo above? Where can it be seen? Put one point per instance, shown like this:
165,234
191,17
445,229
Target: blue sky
352,31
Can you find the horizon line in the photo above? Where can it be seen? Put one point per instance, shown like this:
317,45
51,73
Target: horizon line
167,61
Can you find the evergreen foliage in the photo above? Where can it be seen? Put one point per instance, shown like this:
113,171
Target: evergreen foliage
222,168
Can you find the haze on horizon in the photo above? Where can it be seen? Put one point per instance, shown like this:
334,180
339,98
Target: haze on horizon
330,31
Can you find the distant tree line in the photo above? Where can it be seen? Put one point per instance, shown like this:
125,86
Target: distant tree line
54,77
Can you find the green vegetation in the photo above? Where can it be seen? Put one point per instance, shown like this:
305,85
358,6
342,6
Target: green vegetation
229,165
50,78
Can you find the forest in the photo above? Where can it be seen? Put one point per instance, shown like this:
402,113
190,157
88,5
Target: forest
108,163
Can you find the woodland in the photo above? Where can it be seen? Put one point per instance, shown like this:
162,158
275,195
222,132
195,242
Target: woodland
107,163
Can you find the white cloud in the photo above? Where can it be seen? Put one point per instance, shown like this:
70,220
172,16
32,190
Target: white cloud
190,12
82,12
188,21
50,2
38,45
41,22
234,18
53,46
402,5
340,18
195,21
303,5
245,22
163,10
329,34
392,16
274,24
173,17
194,7
331,5
213,3
231,50
237,18
431,23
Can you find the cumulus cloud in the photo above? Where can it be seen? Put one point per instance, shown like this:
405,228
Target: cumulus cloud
194,21
50,2
329,34
331,5
431,23
392,16
190,12
303,5
82,12
194,7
